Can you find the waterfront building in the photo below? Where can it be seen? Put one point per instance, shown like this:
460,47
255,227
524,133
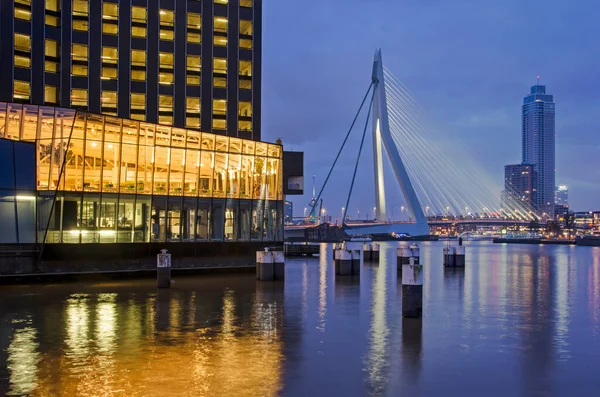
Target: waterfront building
538,144
71,177
187,63
520,187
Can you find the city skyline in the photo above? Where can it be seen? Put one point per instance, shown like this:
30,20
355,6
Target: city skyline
471,89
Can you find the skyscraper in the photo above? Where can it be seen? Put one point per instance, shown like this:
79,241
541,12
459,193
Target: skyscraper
520,191
186,63
538,142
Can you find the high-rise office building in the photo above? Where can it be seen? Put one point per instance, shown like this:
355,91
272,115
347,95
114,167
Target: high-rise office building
561,196
538,142
520,191
187,63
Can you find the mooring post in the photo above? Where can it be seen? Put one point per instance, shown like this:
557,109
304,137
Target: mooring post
412,289
367,252
355,254
163,269
264,265
459,259
345,262
375,252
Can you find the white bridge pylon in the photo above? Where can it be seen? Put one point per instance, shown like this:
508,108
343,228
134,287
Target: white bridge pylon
382,138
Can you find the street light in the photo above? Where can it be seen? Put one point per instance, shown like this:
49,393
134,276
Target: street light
374,212
401,213
343,214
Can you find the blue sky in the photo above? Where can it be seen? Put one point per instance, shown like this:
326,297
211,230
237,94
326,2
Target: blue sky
469,63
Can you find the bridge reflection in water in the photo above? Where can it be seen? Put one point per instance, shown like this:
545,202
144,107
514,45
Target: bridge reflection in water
518,320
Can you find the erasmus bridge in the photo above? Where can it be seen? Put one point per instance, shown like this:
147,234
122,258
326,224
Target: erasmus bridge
433,179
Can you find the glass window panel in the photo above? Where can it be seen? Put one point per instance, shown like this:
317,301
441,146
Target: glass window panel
246,43
73,169
22,42
193,80
79,70
246,3
272,173
244,125
188,220
110,28
245,220
167,34
166,60
205,176
177,165
202,220
217,218
81,25
247,177
192,105
138,14
219,82
138,101
220,41
192,164
231,214
256,233
219,124
144,171
235,145
141,224
245,68
245,84
165,103
248,146
139,75
80,7
108,218
112,130
51,48
128,167
261,149
125,218
130,132
220,65
222,143
178,137
220,175
7,177
79,97
26,218
146,134
222,1
51,20
208,141
193,37
245,109
138,57
23,14
219,106
109,72
274,150
51,66
270,221
163,135
165,78
110,10
138,31
22,61
194,21
110,54
194,63
46,122
161,170
159,219
167,18
259,191
92,165
246,27
193,139
234,177
80,52
110,169
30,117
21,90
13,128
192,122
220,24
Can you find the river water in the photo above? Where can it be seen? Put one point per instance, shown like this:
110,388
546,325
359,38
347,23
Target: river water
518,321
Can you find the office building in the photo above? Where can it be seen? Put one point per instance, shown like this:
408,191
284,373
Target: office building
561,195
78,178
520,188
188,63
538,144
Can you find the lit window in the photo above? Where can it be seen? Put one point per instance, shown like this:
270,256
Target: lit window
244,126
194,21
165,78
192,105
51,48
110,54
219,65
22,61
80,52
21,90
219,40
194,63
220,82
194,37
79,70
109,72
51,20
245,109
22,14
80,8
219,106
79,97
24,2
245,68
138,14
246,43
110,11
80,25
50,94
222,1
165,60
245,84
139,75
192,122
110,28
193,80
245,3
52,5
166,34
22,42
162,119
138,57
138,31
51,66
138,101
219,124
138,116
165,103
167,18
246,27
220,24
109,99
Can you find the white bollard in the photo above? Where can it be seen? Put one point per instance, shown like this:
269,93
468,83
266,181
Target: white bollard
163,269
264,266
412,289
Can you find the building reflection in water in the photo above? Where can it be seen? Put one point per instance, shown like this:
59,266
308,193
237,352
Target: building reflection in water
594,291
22,359
412,348
324,263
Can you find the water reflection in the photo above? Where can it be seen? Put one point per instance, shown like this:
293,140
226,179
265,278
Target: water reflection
23,358
377,359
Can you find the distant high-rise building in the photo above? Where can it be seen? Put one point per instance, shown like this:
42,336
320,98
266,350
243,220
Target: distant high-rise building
561,196
520,191
538,142
288,211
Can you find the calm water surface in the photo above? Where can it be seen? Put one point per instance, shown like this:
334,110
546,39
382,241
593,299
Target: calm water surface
518,321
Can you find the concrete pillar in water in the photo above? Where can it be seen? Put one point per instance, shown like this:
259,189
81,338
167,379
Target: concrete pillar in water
163,269
415,252
279,265
345,262
459,259
367,252
355,255
449,256
264,265
412,289
337,257
375,252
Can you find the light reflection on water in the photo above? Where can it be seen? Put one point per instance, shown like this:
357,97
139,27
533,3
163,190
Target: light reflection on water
519,320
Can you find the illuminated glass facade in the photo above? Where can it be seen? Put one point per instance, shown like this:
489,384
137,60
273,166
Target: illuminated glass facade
102,179
188,63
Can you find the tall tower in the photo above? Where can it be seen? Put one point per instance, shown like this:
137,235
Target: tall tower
538,142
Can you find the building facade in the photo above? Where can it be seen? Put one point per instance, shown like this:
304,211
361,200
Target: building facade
520,187
187,63
538,143
561,195
74,177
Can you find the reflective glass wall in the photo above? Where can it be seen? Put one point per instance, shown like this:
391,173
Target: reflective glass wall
119,180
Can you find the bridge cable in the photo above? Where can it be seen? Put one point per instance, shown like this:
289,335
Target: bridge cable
342,148
358,157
